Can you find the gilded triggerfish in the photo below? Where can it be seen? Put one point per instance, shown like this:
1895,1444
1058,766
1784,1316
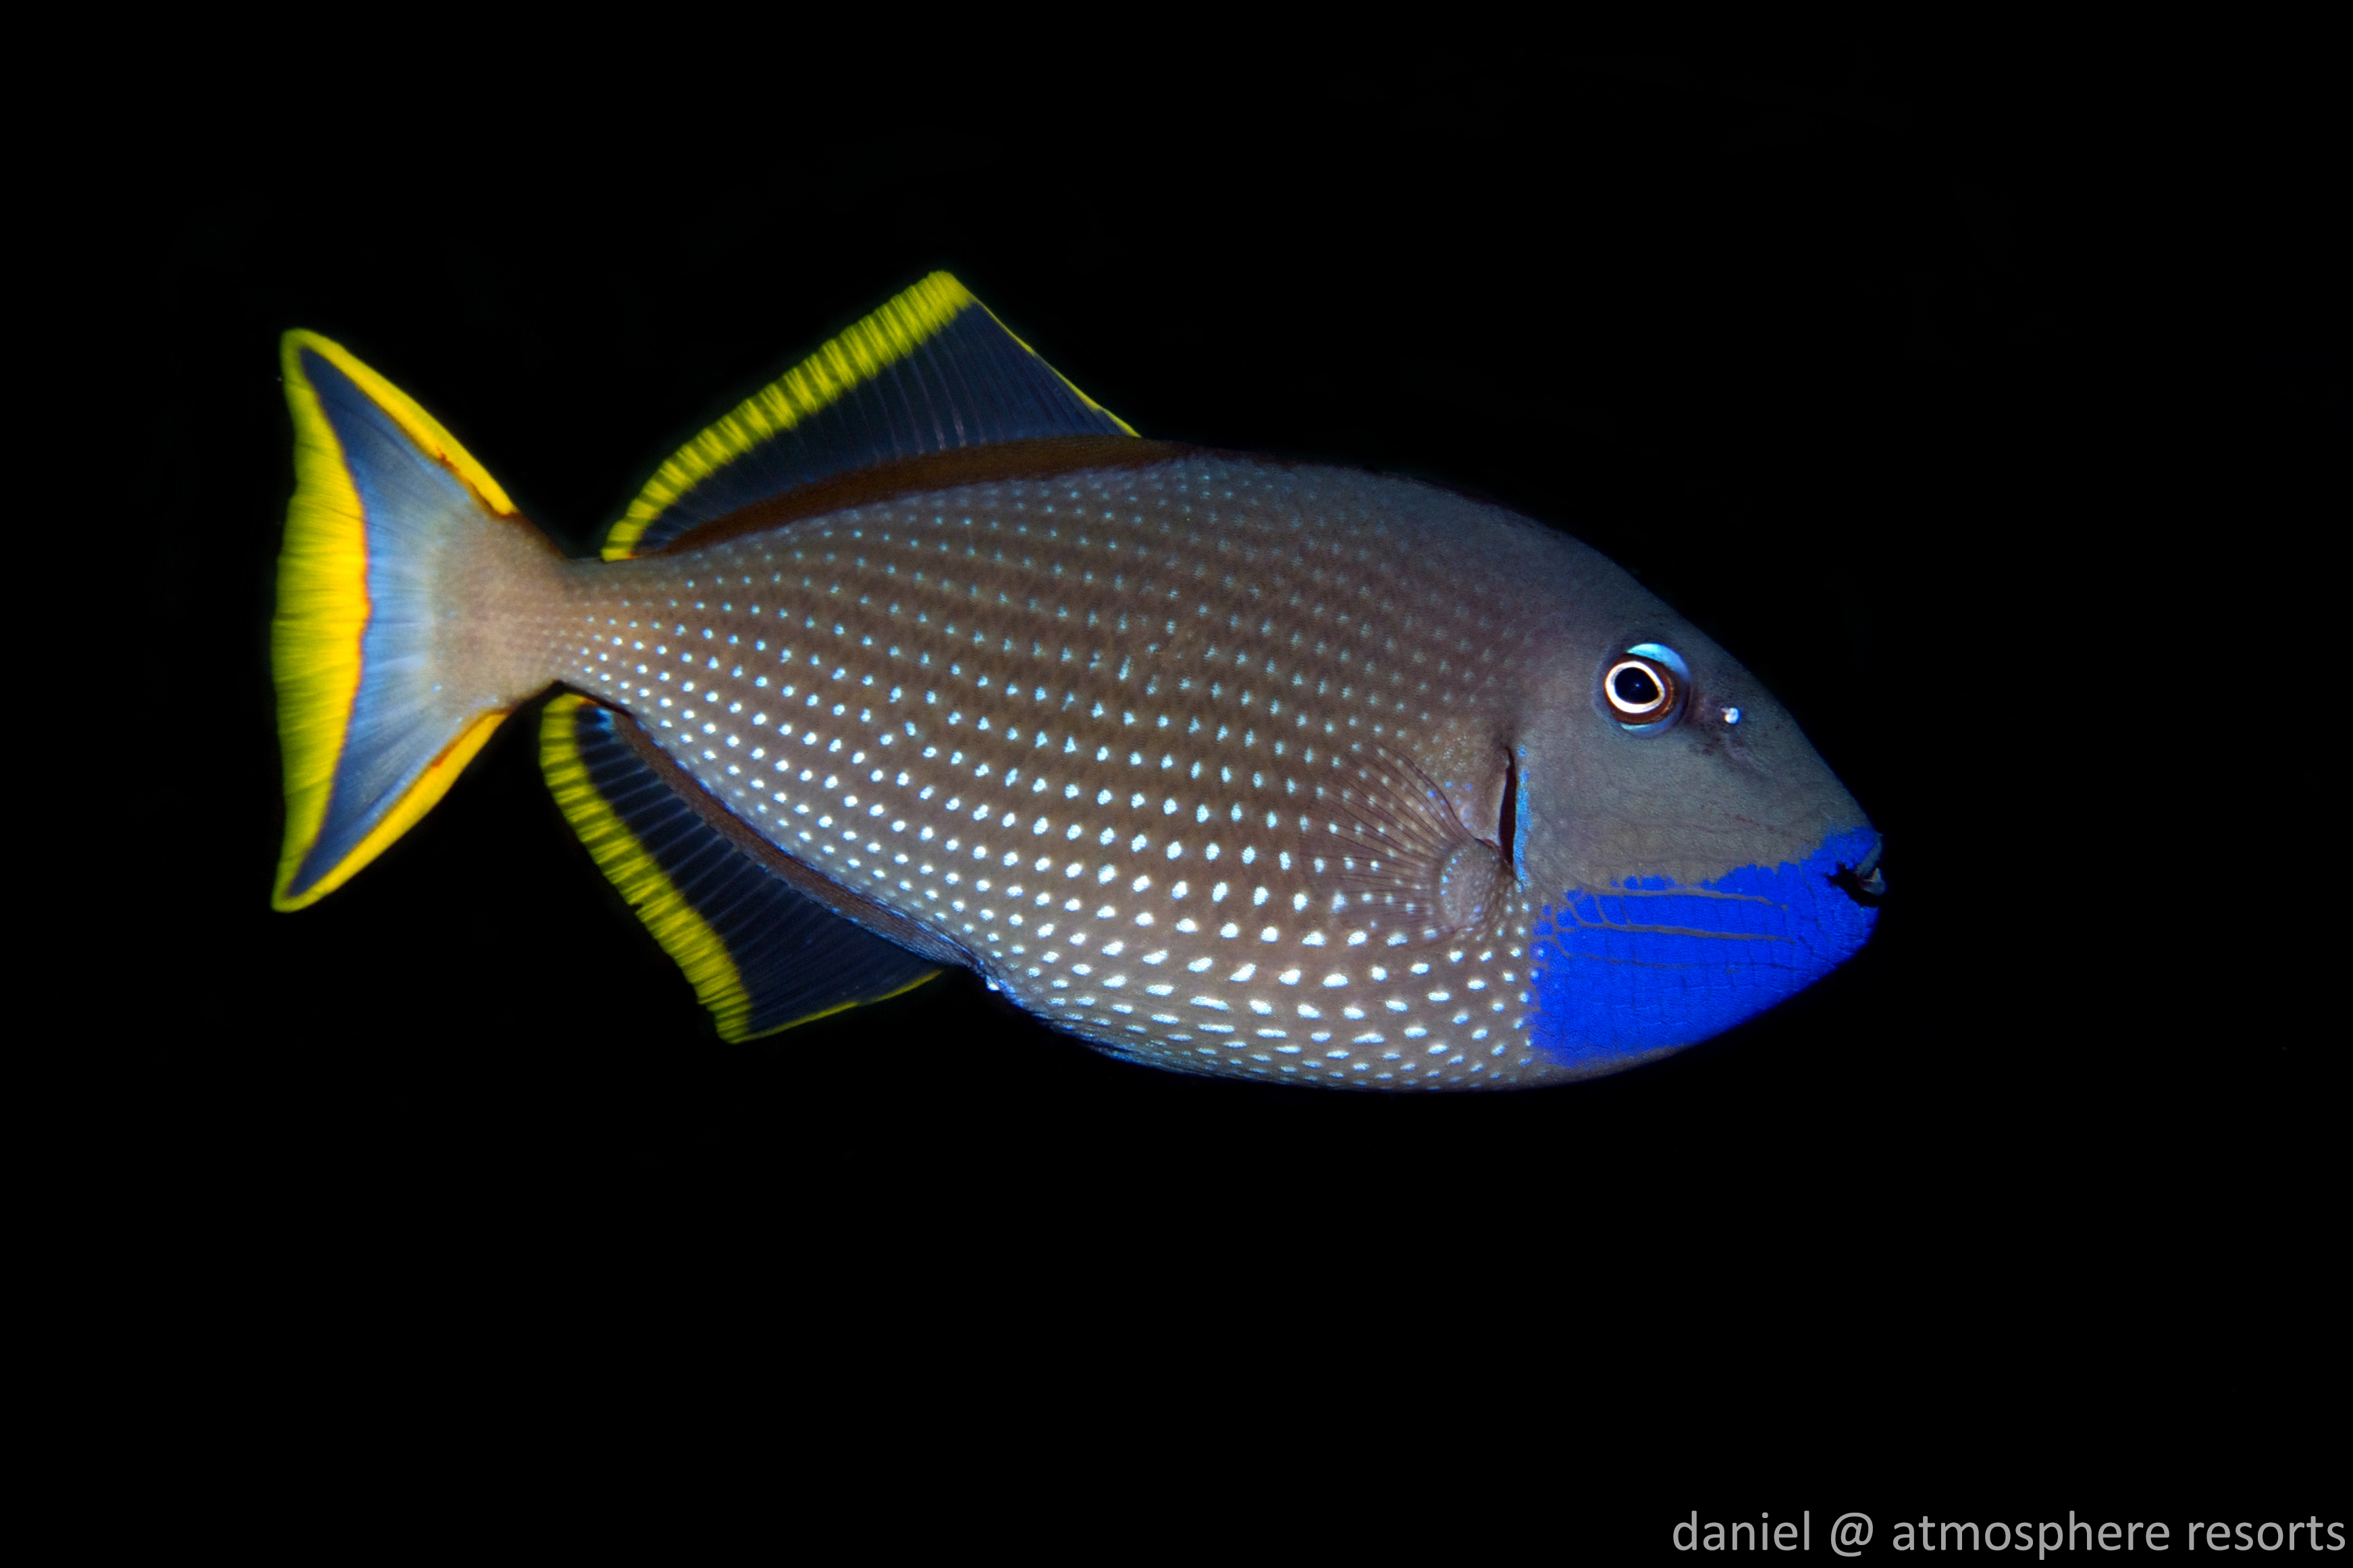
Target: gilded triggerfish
1225,764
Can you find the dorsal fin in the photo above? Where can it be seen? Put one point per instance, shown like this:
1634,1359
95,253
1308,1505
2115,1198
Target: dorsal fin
762,955
932,371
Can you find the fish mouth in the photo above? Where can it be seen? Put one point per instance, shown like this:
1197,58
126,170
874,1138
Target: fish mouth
1864,881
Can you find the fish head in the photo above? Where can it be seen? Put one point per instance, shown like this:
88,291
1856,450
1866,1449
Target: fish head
1688,858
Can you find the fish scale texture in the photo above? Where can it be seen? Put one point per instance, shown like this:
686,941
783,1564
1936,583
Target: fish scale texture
1153,746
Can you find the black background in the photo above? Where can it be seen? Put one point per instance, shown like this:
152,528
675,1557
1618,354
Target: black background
1824,344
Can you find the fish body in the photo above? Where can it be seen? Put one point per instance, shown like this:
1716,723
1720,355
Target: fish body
1223,764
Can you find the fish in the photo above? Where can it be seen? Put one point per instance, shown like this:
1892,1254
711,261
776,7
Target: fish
920,658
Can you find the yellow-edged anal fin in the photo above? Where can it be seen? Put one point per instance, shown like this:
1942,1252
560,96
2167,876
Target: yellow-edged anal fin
760,954
925,978
567,729
932,371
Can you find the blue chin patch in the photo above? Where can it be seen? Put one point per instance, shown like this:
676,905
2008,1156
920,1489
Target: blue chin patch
1649,965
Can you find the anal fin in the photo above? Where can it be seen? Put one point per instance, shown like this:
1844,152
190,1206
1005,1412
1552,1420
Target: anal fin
762,954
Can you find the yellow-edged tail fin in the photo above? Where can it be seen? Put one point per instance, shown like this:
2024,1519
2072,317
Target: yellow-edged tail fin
397,545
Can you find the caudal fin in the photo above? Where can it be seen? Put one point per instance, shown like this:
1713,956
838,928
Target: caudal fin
397,544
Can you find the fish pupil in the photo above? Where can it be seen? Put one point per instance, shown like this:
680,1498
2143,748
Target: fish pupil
1636,688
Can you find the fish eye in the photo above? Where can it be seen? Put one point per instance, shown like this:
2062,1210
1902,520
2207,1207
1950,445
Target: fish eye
1644,686
1639,689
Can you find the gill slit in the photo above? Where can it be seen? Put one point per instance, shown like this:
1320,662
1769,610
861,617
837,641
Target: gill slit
1507,826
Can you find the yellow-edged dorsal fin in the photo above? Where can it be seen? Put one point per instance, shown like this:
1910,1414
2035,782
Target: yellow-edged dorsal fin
932,371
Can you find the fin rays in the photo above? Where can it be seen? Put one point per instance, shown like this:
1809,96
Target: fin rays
762,955
371,736
932,371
